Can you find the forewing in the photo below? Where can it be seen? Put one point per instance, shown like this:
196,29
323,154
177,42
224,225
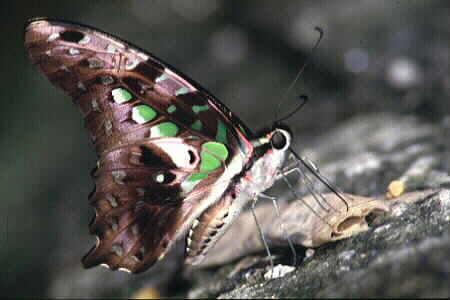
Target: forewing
109,78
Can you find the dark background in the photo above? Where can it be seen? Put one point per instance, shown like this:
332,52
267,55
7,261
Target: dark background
376,56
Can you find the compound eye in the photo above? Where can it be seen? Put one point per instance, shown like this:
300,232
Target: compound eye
278,140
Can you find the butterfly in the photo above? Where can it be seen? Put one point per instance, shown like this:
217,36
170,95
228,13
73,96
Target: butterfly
173,161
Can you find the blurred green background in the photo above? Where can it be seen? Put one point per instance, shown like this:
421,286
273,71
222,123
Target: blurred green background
376,56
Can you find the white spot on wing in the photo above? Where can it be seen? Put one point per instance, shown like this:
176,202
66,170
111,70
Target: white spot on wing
195,224
111,49
136,153
178,153
159,178
80,85
73,51
53,37
137,116
131,64
86,39
163,77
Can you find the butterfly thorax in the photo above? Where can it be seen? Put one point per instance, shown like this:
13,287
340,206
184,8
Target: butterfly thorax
270,151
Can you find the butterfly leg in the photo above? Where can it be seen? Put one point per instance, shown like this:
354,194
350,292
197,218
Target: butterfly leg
309,186
295,167
261,233
285,234
288,170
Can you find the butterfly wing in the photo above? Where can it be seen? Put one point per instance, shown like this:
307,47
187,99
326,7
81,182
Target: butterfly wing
167,149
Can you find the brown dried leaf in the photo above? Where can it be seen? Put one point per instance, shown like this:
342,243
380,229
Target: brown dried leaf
307,222
308,226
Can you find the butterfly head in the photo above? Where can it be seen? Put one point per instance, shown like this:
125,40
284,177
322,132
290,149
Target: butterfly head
274,143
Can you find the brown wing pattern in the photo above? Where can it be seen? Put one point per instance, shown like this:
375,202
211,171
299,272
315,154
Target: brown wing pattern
148,124
89,65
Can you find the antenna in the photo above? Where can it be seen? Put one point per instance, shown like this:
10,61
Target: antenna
304,100
299,73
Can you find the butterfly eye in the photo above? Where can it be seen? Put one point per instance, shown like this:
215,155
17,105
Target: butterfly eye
278,140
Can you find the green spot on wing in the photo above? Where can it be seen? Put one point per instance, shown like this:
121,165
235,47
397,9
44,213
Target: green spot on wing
171,109
221,132
199,108
165,129
197,176
217,149
121,95
164,76
197,125
209,162
181,91
143,114
211,156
